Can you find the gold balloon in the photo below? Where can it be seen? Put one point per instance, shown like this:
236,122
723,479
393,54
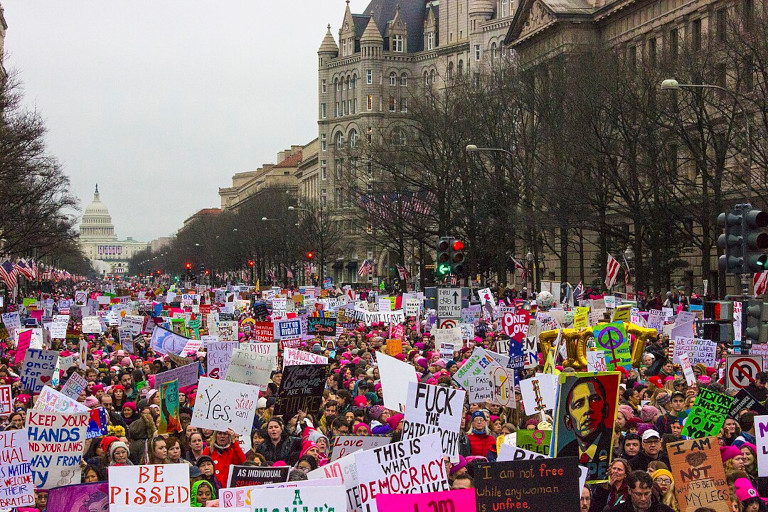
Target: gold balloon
642,335
576,341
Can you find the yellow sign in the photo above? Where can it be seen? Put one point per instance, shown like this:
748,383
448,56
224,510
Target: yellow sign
394,346
621,313
581,318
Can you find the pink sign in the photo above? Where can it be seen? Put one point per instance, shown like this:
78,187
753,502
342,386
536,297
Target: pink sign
461,499
25,338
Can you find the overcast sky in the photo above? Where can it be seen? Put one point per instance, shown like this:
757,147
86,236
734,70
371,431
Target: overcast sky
162,101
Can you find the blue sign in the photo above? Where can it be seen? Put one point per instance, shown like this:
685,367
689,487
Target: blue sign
289,328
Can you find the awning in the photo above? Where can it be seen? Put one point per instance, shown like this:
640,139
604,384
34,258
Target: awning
338,265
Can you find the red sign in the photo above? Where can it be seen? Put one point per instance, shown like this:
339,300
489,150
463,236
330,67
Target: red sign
264,332
6,400
205,309
516,324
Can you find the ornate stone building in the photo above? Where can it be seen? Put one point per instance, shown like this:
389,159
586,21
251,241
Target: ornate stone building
3,28
99,243
364,82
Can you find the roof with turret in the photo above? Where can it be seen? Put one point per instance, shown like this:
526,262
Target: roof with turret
412,12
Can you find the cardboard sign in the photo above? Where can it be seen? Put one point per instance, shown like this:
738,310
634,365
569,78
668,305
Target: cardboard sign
241,476
395,376
288,329
38,368
148,487
331,498
700,351
221,405
250,368
6,400
480,389
325,326
301,388
264,332
69,498
570,438
612,339
91,325
698,473
75,385
685,363
479,363
458,500
187,375
707,415
434,409
56,445
18,489
344,445
508,452
247,496
218,356
292,356
169,408
413,466
538,485
58,328
539,393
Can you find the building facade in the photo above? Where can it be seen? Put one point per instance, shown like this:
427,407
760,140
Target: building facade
364,83
108,255
3,28
269,176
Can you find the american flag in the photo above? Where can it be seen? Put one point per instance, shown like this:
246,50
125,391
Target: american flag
578,292
366,267
611,271
626,272
24,269
8,272
760,283
404,274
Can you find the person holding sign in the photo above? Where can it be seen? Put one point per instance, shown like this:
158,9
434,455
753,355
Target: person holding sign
225,452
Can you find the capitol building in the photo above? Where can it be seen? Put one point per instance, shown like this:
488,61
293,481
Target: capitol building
99,243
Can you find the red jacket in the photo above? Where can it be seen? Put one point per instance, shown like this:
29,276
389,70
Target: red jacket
231,455
481,443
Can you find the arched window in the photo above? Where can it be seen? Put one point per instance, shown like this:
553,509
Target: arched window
426,78
461,67
450,71
353,138
432,77
399,137
339,140
393,79
404,80
493,51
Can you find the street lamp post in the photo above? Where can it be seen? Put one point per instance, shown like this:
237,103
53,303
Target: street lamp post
629,255
671,84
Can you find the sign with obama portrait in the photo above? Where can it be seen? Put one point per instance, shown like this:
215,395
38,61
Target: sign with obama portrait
584,418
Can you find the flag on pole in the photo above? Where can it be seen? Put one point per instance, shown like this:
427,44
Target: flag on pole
403,272
760,282
626,272
364,268
8,273
611,271
523,269
578,292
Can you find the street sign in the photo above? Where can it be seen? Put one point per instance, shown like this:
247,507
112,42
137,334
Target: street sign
741,370
448,303
447,323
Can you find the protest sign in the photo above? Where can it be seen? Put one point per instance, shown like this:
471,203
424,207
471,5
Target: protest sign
58,328
394,346
6,400
458,500
38,368
395,376
570,437
685,363
135,324
301,388
169,408
434,409
707,415
612,339
167,342
156,486
447,340
250,368
536,440
17,489
744,401
11,321
91,325
502,380
324,325
92,497
479,363
515,324
264,331
331,498
699,350
412,466
539,485
247,496
227,330
97,423
187,375
51,400
539,393
479,389
509,452
218,355
292,356
241,476
221,405
75,385
698,474
344,445
56,445
596,361
345,469
288,329
761,436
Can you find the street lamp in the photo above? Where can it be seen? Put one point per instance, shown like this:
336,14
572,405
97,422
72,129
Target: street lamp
472,148
629,255
670,84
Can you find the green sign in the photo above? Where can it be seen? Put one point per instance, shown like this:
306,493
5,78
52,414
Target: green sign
707,415
536,441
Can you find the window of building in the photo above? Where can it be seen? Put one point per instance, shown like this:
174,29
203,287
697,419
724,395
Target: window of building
696,34
477,52
403,104
404,80
323,143
369,76
323,170
426,79
652,57
720,76
322,85
349,107
337,196
430,41
632,57
397,43
460,68
748,13
493,51
450,71
393,79
721,24
674,41
336,110
322,110
432,77
339,140
504,8
353,139
391,103
322,197
748,81
370,102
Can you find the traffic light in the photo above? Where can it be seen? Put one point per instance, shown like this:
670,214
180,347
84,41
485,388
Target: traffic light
188,266
251,263
310,255
443,260
457,257
755,240
207,272
756,326
731,242
158,271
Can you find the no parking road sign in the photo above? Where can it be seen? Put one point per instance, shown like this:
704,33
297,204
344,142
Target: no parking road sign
741,370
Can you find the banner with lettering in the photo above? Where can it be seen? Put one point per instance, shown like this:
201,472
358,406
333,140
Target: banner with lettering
707,415
37,369
56,445
699,476
220,405
17,489
434,409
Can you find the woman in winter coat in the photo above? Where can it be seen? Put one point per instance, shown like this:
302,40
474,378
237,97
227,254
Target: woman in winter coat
278,445
225,452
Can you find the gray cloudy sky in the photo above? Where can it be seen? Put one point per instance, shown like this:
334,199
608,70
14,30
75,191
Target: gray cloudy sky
160,102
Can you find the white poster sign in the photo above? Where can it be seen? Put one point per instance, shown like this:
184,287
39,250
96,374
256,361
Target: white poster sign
221,405
434,409
395,376
247,367
133,488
